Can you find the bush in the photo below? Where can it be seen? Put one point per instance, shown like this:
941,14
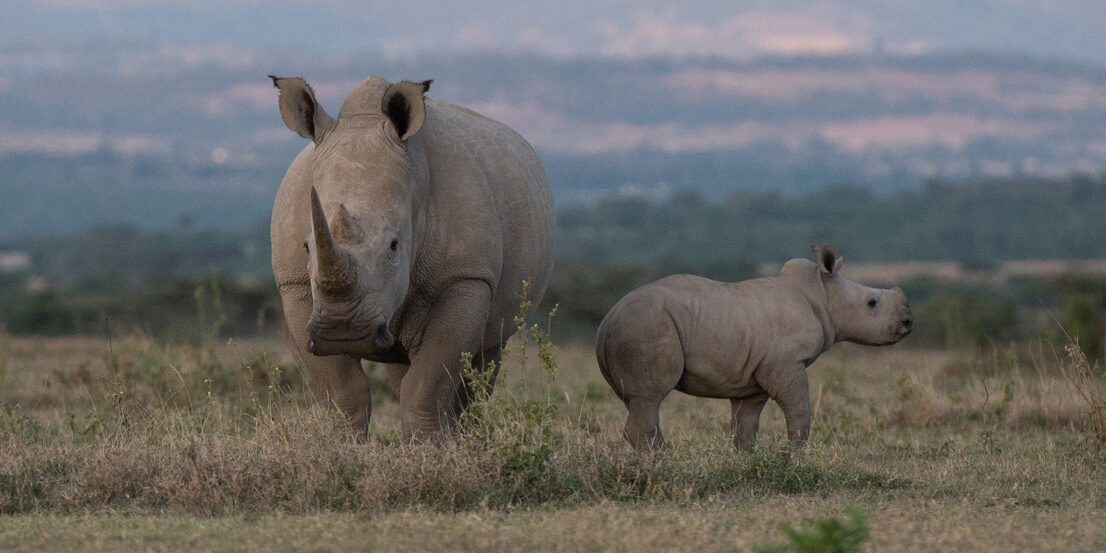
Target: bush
1084,313
824,535
958,317
176,308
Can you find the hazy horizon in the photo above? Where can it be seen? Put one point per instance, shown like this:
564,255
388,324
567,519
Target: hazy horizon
106,105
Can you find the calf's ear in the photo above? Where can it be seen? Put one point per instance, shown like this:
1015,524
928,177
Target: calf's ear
405,107
828,260
300,110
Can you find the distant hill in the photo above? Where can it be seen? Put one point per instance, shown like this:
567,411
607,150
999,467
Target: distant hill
969,256
134,132
973,226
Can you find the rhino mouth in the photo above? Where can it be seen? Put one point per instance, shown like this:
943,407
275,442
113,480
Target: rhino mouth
903,330
379,339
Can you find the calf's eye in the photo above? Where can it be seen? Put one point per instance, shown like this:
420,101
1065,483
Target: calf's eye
872,302
395,244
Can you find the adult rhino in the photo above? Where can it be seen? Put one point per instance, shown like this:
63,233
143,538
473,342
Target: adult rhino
745,341
402,234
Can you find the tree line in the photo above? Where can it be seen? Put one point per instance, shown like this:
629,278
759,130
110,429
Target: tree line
167,282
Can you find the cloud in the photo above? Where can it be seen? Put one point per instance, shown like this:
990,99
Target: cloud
51,142
794,33
142,143
484,36
551,131
114,5
535,39
668,33
480,36
257,97
555,132
260,97
951,130
1025,92
817,43
270,135
69,142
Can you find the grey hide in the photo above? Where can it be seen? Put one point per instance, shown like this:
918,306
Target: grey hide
402,234
747,341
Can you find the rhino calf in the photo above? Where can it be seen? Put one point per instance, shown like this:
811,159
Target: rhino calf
747,341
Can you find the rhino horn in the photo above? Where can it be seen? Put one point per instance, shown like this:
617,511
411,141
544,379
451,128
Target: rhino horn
336,272
345,229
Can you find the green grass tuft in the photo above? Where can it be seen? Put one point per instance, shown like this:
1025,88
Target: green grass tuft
824,535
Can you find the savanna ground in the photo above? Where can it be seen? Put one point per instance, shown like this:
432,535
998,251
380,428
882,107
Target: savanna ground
139,445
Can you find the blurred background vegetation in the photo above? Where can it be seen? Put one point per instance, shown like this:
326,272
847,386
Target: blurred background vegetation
188,284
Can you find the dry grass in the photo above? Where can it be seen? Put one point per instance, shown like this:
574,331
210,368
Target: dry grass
904,524
152,447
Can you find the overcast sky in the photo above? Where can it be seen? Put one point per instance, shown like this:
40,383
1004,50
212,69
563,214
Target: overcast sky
1048,29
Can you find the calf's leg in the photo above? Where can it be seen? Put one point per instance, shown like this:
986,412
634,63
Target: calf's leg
788,387
641,357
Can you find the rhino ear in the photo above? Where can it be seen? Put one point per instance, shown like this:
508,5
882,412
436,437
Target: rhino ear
299,109
828,260
404,106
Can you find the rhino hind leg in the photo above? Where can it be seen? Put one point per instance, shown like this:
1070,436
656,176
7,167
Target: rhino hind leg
640,355
643,429
745,420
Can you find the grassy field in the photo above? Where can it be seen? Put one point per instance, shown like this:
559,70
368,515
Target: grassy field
137,445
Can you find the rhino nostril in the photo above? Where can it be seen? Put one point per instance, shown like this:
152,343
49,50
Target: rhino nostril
908,323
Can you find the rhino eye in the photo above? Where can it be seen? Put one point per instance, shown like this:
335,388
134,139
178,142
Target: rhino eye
306,248
872,302
395,244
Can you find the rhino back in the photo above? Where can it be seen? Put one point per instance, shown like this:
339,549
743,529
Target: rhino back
490,207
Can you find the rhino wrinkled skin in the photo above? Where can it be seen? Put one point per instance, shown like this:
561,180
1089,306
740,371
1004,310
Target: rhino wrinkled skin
402,234
748,342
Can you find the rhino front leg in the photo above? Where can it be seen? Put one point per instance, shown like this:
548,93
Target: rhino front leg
342,382
433,390
339,379
789,388
745,420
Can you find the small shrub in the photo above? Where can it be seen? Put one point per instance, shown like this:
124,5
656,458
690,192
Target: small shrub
210,329
824,535
1084,375
1084,314
523,432
5,353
